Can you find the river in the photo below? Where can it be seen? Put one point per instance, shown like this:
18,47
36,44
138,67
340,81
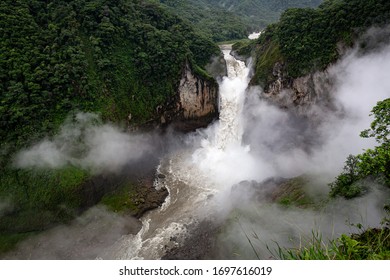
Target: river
195,176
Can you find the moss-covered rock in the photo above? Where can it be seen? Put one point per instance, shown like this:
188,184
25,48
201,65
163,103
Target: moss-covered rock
135,198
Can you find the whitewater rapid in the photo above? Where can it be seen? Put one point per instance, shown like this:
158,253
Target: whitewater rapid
194,176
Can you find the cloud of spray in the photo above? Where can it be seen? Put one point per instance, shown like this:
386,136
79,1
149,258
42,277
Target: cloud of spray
279,144
85,142
270,225
281,140
275,144
86,237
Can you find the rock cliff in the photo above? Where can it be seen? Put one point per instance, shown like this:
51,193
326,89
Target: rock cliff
196,103
303,94
198,97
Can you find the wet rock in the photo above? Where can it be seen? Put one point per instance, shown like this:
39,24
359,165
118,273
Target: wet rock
149,198
200,244
198,96
254,191
302,94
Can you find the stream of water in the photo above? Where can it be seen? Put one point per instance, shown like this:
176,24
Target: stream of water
193,177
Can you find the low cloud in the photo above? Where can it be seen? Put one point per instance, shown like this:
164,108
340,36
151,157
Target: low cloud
270,225
278,143
292,145
86,237
275,144
85,142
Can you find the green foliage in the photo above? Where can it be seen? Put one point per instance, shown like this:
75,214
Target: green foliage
376,162
301,37
371,244
211,21
265,61
313,249
301,31
9,241
257,14
373,163
380,127
88,55
36,200
243,47
122,199
232,19
308,38
42,188
293,193
347,183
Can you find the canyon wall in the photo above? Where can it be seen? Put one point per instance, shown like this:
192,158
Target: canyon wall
306,96
195,105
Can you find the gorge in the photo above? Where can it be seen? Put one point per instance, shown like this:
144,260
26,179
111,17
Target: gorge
224,179
128,133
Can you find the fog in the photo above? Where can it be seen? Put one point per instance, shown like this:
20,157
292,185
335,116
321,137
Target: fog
280,144
292,146
270,225
84,141
84,238
258,141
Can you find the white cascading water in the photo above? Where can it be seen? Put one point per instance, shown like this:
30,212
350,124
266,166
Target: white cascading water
193,177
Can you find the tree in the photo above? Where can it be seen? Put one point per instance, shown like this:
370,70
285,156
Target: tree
373,163
380,127
377,161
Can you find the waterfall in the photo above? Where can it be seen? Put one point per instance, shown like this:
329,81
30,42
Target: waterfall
193,176
223,157
232,91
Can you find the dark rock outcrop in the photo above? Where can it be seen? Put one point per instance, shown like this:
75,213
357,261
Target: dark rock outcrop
201,244
148,197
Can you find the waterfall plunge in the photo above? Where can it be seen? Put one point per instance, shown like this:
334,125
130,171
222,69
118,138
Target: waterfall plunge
191,176
222,155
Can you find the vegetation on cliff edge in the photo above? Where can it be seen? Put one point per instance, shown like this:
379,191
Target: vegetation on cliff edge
307,39
121,59
232,19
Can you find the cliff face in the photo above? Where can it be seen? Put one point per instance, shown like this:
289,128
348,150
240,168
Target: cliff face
195,105
198,97
303,94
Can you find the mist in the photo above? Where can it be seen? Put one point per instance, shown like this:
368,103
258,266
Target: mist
293,146
269,226
280,144
84,238
265,141
258,141
84,141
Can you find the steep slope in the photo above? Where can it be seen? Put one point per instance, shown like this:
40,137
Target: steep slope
296,67
261,12
125,60
213,21
292,54
120,58
232,19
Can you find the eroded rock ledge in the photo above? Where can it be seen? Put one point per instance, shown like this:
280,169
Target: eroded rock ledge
196,102
306,96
